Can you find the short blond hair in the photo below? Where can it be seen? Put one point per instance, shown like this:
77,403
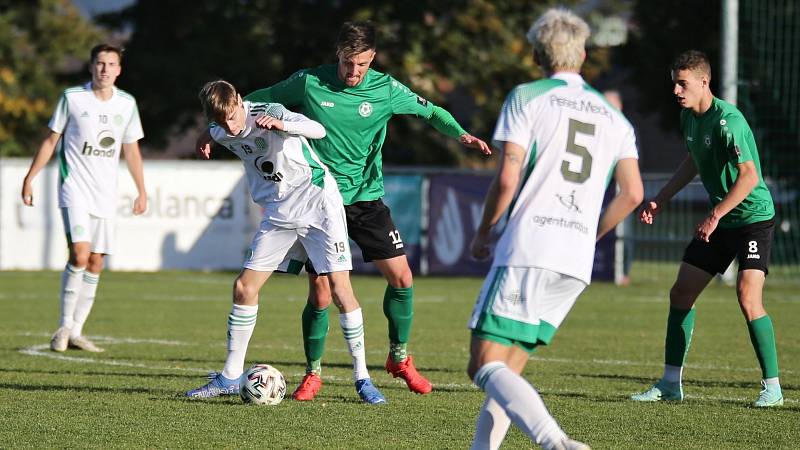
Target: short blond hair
219,100
558,39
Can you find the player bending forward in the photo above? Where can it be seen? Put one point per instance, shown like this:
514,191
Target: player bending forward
302,208
560,142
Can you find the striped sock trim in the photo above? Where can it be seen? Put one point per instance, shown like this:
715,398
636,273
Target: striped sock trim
486,371
91,278
353,333
74,270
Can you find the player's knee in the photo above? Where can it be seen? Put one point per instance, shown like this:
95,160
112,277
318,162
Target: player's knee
320,296
242,291
79,259
680,297
400,279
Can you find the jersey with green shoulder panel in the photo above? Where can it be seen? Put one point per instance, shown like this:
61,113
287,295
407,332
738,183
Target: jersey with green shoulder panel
718,140
355,120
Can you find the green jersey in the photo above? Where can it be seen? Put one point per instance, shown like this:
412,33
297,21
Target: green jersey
355,120
718,140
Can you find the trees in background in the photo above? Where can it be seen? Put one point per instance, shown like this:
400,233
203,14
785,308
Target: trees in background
44,46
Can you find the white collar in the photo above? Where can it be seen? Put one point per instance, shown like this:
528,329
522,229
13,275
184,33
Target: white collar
569,77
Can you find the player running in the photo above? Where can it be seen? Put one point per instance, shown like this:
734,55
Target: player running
303,215
740,224
560,139
94,124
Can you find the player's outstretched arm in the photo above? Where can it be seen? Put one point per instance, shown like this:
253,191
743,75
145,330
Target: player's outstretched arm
40,159
683,175
501,193
133,157
203,145
630,195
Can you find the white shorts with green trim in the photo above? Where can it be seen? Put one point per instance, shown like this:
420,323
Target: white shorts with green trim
325,243
80,226
524,304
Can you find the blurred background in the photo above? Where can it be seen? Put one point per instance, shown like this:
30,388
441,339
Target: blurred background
462,55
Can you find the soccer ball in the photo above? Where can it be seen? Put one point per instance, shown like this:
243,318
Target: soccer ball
262,384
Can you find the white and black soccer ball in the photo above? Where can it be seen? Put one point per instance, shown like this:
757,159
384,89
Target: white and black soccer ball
262,384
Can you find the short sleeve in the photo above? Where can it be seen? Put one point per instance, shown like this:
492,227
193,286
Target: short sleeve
512,123
628,149
736,138
58,122
133,132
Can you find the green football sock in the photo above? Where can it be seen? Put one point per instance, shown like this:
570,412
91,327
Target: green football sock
398,306
680,325
315,330
762,335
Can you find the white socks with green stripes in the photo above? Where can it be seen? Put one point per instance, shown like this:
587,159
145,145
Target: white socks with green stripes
241,323
85,301
352,324
71,282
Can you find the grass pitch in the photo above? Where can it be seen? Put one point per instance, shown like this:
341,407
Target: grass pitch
163,331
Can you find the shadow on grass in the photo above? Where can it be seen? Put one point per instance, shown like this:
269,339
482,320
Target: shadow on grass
87,389
686,382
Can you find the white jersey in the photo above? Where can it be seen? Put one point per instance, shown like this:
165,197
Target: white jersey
284,175
92,133
573,140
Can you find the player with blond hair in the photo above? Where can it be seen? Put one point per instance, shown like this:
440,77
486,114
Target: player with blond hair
560,142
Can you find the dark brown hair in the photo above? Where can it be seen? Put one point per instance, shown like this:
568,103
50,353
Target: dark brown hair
693,60
219,99
355,37
105,48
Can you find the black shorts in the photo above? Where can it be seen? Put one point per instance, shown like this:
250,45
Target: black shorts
370,225
750,244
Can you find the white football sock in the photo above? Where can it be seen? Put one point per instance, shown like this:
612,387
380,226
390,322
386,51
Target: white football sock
85,301
241,323
71,282
352,324
673,374
493,423
522,403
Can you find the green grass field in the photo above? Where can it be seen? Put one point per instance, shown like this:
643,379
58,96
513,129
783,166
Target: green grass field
163,332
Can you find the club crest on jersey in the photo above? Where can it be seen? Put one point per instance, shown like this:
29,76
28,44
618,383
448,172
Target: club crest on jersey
117,120
261,143
707,140
365,109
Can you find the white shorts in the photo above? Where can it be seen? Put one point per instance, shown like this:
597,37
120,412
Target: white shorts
523,305
324,242
80,226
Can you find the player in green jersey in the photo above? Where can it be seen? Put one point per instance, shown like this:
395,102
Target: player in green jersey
740,224
355,103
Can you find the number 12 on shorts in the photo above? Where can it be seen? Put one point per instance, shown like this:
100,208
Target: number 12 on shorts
396,239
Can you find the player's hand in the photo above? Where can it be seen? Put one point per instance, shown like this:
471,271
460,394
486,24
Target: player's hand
140,204
479,248
27,193
471,141
269,122
203,146
707,226
648,212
